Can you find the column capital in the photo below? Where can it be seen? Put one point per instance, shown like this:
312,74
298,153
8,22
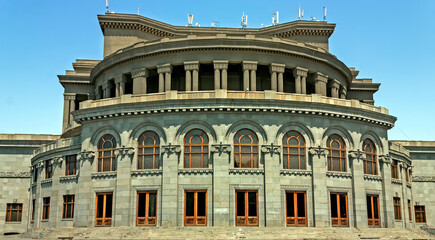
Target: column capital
143,72
385,159
249,65
300,72
357,154
192,65
271,149
165,68
120,78
319,151
335,83
69,96
320,77
276,67
220,64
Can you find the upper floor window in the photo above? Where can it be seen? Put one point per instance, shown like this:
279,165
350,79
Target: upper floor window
337,153
148,150
48,169
35,174
106,157
293,144
370,160
245,149
395,169
196,149
407,174
70,165
14,212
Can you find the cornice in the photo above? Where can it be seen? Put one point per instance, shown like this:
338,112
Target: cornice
15,175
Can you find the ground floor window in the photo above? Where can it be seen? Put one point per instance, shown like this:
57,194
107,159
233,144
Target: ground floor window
103,216
296,208
339,216
420,214
409,210
397,213
247,207
373,210
195,207
146,208
46,208
14,212
68,207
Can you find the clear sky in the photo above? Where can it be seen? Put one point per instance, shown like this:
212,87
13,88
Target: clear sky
390,41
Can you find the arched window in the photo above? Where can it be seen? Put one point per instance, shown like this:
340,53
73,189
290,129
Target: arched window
293,144
196,149
370,160
148,150
337,153
106,157
245,149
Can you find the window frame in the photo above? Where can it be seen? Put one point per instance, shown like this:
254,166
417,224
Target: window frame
48,169
195,218
141,150
373,157
301,150
246,219
238,149
14,207
395,169
342,156
409,210
148,221
374,222
189,145
397,208
422,212
66,203
100,154
71,160
105,221
296,217
339,221
45,208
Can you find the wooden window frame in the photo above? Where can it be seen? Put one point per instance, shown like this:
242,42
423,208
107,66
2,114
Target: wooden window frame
298,221
395,169
46,208
301,149
420,209
48,169
238,148
70,160
66,203
101,158
14,207
370,158
195,218
188,148
339,221
374,222
409,210
105,221
247,219
141,146
342,156
147,220
397,208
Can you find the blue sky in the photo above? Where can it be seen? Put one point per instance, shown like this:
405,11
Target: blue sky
389,41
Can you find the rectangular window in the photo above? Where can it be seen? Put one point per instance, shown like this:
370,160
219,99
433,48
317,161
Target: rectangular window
70,165
247,207
397,212
68,207
195,207
35,174
420,214
46,208
373,210
33,209
146,208
103,215
14,212
339,216
406,175
296,208
409,210
48,169
395,169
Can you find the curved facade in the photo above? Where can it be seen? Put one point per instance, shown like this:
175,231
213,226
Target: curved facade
182,126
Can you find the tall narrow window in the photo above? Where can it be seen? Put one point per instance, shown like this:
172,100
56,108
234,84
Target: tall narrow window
195,207
397,212
246,207
409,210
370,159
106,157
339,216
68,207
196,149
70,165
406,174
395,169
33,209
46,208
337,153
296,208
35,174
373,210
48,169
245,149
14,212
420,214
146,208
103,215
293,144
148,150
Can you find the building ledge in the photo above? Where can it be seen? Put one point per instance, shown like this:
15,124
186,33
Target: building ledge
146,172
374,178
246,171
195,171
338,174
295,172
103,175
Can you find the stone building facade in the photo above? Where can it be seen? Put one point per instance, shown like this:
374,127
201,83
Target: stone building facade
182,126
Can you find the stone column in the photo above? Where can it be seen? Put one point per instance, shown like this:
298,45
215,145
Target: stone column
343,93
120,81
191,69
85,196
221,187
98,93
224,79
139,81
387,216
188,80
249,75
320,82
161,82
68,108
300,75
195,81
170,155
335,86
272,186
358,190
320,190
164,72
220,80
122,207
106,89
276,70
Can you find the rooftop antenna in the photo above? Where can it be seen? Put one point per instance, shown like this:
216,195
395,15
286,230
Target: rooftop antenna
107,6
244,20
324,14
189,20
300,13
275,18
197,24
138,10
215,24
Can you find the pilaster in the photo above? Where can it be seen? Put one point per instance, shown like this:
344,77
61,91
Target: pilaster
358,189
221,187
123,185
272,186
387,201
85,196
139,81
170,155
320,191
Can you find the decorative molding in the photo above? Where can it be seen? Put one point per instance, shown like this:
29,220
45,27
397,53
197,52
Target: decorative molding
370,177
170,149
385,159
146,172
139,73
70,178
295,172
261,212
396,181
278,68
309,32
45,181
136,26
190,66
195,171
184,187
319,151
358,154
220,148
423,178
86,155
339,174
101,175
408,184
165,68
124,151
246,171
271,149
15,175
309,199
